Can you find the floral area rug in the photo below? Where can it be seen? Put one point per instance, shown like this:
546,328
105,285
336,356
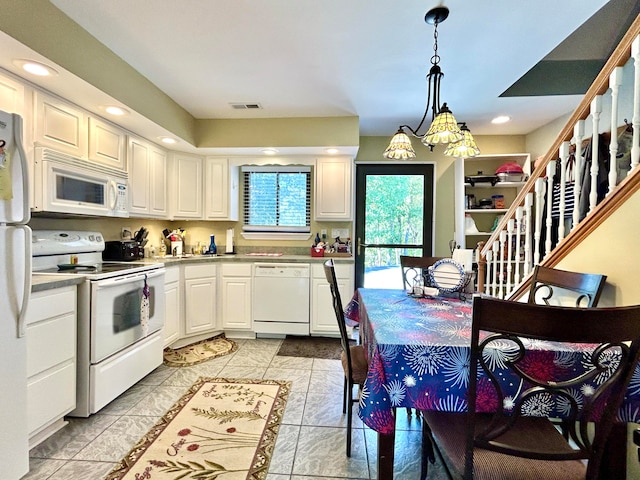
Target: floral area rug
199,352
222,429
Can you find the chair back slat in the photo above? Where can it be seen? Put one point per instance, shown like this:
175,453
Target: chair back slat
550,285
415,267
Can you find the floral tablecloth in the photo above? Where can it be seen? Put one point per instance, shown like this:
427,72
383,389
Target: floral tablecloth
418,351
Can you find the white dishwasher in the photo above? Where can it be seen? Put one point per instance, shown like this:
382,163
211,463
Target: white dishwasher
281,298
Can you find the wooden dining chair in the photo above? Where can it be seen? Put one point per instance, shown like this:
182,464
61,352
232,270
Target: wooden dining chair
548,284
512,443
354,362
413,267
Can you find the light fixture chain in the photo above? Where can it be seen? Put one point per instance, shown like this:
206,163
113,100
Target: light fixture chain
435,59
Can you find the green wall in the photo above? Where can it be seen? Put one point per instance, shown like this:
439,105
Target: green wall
371,149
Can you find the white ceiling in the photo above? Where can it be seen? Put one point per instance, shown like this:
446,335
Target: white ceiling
303,58
367,58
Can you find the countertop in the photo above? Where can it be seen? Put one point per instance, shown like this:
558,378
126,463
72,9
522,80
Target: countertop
47,282
244,258
40,283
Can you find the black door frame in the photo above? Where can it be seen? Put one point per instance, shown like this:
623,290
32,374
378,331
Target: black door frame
364,169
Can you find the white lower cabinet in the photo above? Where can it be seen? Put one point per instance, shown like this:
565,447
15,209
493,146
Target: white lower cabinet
200,298
204,299
236,296
323,318
173,317
51,360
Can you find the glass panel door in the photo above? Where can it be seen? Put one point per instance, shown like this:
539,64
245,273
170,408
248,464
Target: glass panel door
394,216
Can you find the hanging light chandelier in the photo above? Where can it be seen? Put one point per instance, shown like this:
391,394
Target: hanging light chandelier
466,147
444,128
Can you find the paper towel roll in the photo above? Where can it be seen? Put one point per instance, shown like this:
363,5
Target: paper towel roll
464,257
228,248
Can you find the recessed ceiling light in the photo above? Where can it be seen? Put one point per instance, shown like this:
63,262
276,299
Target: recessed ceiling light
168,140
501,119
269,151
114,110
332,151
35,68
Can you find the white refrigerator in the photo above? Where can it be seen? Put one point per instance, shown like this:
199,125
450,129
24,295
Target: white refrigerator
15,288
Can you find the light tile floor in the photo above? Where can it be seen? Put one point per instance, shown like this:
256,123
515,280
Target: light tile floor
311,441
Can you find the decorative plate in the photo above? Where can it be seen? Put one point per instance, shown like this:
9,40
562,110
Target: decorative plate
447,275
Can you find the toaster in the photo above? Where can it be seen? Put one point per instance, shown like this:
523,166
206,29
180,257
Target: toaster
122,251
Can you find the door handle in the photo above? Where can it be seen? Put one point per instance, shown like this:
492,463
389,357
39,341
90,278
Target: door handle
360,244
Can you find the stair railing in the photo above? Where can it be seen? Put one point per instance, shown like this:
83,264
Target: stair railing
507,258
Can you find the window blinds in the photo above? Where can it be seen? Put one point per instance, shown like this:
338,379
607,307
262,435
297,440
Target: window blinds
277,199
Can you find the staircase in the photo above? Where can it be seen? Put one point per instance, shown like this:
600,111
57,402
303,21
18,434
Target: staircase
590,173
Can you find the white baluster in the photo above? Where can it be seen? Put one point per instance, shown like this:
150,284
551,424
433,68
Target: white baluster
537,234
615,80
510,226
551,168
528,203
519,229
596,109
635,148
503,239
578,137
490,273
496,256
564,158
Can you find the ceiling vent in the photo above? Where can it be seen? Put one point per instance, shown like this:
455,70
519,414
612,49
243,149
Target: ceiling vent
246,106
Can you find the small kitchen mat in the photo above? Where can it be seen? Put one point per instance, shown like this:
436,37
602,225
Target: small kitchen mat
316,347
221,428
199,352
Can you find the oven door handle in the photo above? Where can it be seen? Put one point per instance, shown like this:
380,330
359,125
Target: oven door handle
134,277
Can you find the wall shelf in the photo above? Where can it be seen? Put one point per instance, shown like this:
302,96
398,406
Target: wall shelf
483,218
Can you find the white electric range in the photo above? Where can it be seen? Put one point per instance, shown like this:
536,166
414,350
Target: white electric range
120,314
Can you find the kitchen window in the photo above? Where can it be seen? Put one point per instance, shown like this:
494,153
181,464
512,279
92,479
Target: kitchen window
277,200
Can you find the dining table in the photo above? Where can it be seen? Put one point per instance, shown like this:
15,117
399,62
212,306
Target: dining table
418,350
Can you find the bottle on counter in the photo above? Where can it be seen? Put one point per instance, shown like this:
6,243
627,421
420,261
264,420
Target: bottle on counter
163,249
213,250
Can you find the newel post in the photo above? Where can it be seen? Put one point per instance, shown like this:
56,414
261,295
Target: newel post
482,267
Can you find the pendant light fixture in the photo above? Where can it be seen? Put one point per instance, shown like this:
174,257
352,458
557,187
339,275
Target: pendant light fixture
465,148
444,127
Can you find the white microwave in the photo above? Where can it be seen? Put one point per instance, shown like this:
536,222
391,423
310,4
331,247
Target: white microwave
65,184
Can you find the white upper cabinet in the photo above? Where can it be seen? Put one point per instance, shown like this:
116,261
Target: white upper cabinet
221,190
186,186
60,125
158,191
334,184
11,95
106,144
147,167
